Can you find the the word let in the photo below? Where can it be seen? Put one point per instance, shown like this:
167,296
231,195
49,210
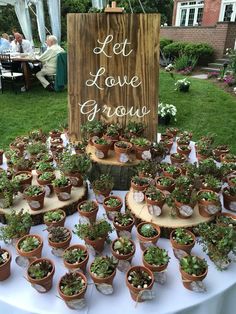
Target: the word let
118,48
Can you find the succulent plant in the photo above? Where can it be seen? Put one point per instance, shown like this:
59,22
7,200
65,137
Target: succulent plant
58,234
103,266
72,284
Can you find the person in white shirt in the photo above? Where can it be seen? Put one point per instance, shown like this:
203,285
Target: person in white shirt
49,61
21,45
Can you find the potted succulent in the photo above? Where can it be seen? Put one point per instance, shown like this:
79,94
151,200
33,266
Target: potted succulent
88,209
183,141
209,167
45,179
209,182
37,136
192,269
184,202
123,223
43,166
95,234
76,257
59,237
8,187
219,150
22,164
147,168
18,225
219,242
182,240
156,259
159,151
102,147
5,264
154,196
167,144
226,220
30,246
208,203
147,234
229,197
134,128
203,151
24,178
172,131
122,151
40,274
123,249
54,218
72,288
102,187
177,158
92,128
165,183
171,171
139,183
103,271
139,280
35,148
34,195
80,147
226,169
112,134
112,205
231,179
142,148
62,187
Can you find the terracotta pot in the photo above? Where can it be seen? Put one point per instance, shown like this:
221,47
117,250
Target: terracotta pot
184,247
76,179
203,204
126,257
224,215
111,139
122,152
229,201
59,223
156,203
97,280
153,268
79,265
139,150
183,152
111,211
101,195
31,255
229,180
61,245
178,161
97,244
145,242
120,228
178,205
63,193
218,152
44,282
24,183
1,157
136,187
169,188
174,176
172,132
167,144
45,182
188,279
35,202
77,296
92,215
5,269
135,292
101,150
201,157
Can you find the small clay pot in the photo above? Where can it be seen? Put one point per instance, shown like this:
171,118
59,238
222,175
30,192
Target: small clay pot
97,244
35,202
144,242
229,201
139,188
203,204
119,151
159,203
153,268
188,279
97,280
31,255
79,265
169,188
119,228
178,206
139,150
92,215
177,161
77,296
59,223
174,176
61,245
24,183
184,247
225,215
45,282
135,292
61,190
126,257
182,151
110,211
101,150
5,269
76,179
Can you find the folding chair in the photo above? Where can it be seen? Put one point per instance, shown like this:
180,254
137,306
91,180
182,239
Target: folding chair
7,74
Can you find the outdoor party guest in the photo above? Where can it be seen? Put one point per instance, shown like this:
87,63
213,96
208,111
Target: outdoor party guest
21,45
4,45
49,62
5,35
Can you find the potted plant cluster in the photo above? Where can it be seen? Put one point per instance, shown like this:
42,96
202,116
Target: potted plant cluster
40,274
88,209
54,218
94,234
147,234
208,203
102,187
76,257
165,183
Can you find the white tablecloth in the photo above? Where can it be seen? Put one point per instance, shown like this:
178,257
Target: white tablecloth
18,297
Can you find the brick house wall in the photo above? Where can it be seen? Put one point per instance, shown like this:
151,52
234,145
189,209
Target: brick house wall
220,36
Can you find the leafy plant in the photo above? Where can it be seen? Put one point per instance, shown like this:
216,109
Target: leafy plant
140,180
147,167
87,206
140,141
165,181
134,127
8,187
208,166
112,202
148,231
123,219
193,265
40,270
36,135
156,256
93,127
226,221
171,169
18,224
139,278
72,284
99,229
53,215
29,244
21,163
230,190
22,177
211,182
101,141
103,266
33,190
154,194
208,196
113,130
181,236
74,163
123,246
74,255
47,176
58,234
61,182
36,148
44,166
122,144
103,183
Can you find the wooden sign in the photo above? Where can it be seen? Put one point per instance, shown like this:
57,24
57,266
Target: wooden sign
113,69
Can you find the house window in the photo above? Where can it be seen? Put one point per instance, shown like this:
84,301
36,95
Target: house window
228,11
189,13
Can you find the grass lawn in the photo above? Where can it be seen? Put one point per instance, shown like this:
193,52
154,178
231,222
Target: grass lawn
205,109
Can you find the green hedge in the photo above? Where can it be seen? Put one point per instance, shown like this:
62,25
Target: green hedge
165,42
202,51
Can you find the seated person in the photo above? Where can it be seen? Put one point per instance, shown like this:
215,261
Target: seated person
49,61
4,45
21,45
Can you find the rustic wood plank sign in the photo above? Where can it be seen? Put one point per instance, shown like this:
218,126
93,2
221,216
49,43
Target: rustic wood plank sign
113,69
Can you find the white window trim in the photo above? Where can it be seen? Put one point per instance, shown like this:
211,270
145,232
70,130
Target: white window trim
188,7
222,9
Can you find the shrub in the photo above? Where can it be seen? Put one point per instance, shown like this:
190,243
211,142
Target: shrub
184,62
175,49
164,42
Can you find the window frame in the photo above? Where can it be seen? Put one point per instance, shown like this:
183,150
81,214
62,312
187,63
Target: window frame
186,5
